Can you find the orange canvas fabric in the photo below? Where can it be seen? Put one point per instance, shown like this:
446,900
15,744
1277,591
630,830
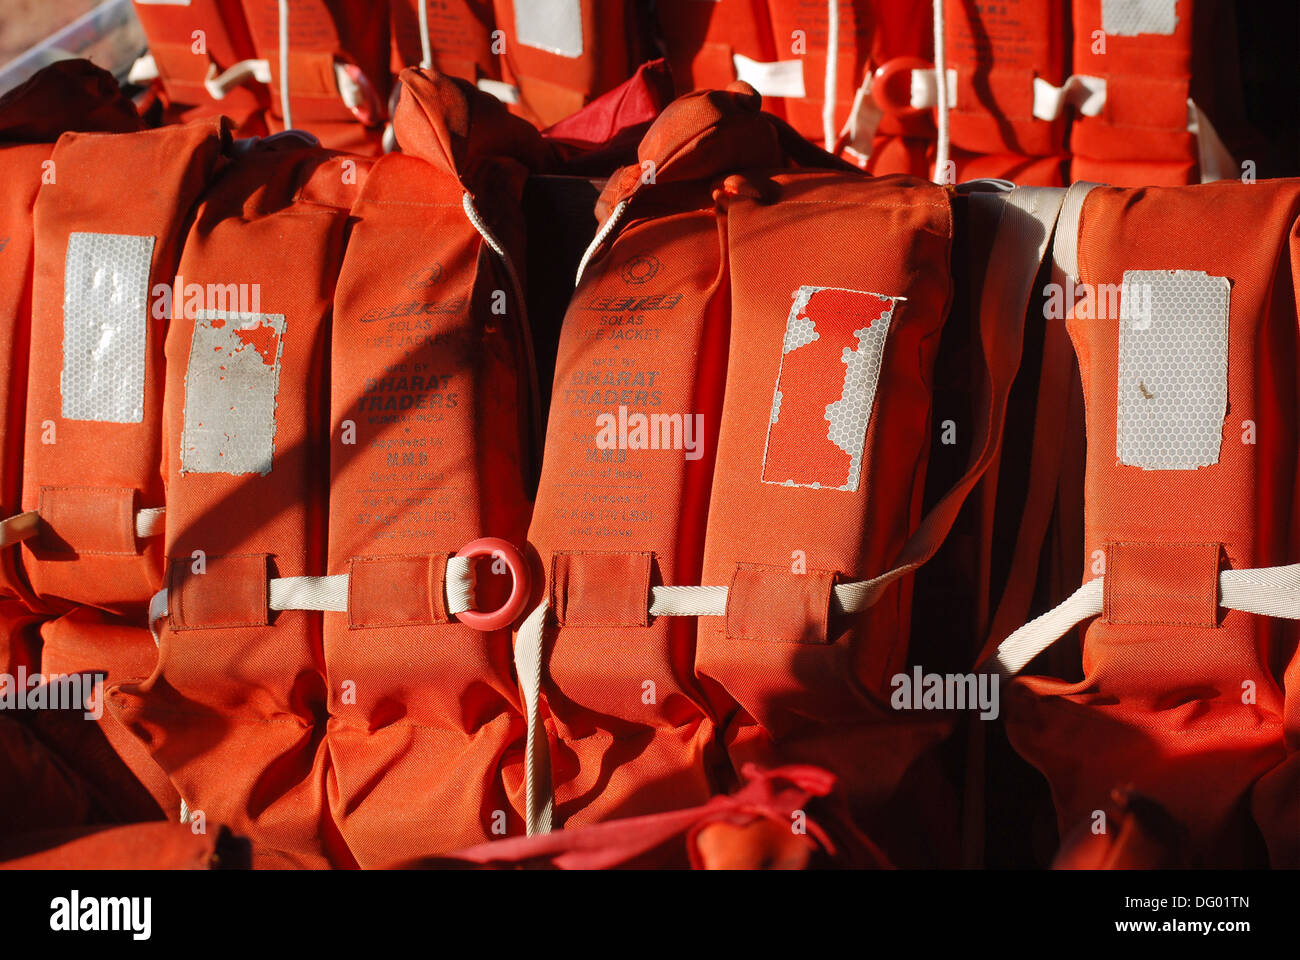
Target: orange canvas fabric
234,709
1181,700
1141,136
594,48
321,34
195,42
432,371
76,465
460,37
69,95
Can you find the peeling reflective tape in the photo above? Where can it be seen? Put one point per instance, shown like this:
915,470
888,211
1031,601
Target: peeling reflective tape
826,387
1173,369
551,25
776,78
1128,18
231,384
105,308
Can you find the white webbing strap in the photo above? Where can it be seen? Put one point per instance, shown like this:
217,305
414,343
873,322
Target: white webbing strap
237,74
309,593
284,64
830,85
331,592
18,528
426,47
143,71
505,92
458,584
1086,94
1267,591
771,78
149,522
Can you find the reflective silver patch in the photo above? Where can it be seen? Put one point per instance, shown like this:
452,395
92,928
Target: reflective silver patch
551,25
831,355
231,384
1128,18
1173,369
105,308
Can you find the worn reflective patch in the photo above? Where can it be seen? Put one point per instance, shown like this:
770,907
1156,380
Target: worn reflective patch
551,25
105,308
826,387
1128,18
231,384
1173,369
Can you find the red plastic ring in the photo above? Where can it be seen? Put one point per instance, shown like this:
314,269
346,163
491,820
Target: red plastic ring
509,611
891,87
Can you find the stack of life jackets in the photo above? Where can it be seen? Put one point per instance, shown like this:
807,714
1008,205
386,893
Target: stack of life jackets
288,562
1036,91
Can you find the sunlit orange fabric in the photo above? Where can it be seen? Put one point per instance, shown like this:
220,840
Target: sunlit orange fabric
424,750
1185,708
553,85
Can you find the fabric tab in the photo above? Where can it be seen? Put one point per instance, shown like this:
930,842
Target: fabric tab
601,589
771,603
1168,584
87,520
396,591
230,590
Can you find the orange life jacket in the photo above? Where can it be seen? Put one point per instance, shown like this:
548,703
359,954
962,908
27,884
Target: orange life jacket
688,308
1186,342
559,54
231,710
95,383
434,435
200,54
459,35
332,61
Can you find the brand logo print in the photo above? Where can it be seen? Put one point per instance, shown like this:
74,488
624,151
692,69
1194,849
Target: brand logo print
424,277
640,268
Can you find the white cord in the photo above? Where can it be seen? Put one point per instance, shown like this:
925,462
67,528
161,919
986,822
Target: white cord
426,48
941,78
605,230
832,68
284,64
